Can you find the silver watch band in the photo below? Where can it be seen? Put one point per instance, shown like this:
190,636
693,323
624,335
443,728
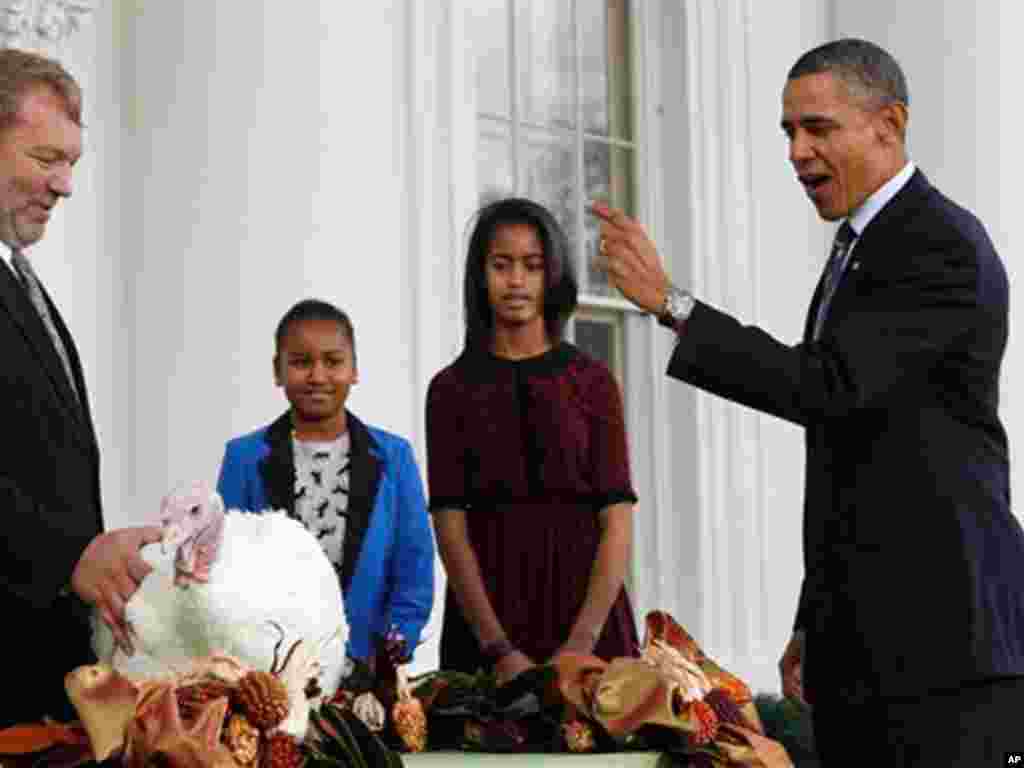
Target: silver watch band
677,308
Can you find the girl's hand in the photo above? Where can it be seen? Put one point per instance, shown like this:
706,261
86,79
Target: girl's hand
510,665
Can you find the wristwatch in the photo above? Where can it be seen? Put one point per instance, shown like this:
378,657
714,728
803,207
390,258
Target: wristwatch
677,307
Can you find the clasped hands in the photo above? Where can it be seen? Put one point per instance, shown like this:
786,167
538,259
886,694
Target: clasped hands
108,573
631,260
512,664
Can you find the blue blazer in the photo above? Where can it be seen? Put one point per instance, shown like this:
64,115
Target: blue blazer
387,576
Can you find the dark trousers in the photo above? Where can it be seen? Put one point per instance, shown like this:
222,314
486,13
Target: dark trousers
971,727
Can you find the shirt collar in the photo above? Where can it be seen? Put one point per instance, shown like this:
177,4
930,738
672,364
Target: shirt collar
861,217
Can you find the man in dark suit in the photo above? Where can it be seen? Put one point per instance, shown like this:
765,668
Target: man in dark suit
55,561
910,625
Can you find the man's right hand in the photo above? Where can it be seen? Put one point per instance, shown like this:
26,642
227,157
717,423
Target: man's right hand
791,668
108,573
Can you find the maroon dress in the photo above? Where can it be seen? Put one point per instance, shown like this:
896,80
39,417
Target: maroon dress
532,450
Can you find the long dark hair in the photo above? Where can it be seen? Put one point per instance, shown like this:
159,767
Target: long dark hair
560,288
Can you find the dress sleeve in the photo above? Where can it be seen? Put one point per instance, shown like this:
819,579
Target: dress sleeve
613,482
446,452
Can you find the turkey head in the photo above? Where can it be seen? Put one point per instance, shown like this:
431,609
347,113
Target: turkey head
193,523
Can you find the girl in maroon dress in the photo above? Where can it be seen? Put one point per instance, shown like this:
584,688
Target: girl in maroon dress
527,463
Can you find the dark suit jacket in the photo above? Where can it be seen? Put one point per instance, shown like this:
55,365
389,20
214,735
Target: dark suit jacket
914,565
49,505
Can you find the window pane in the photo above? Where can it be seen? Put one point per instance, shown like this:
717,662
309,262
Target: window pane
605,68
550,177
544,56
495,176
488,31
601,334
596,340
609,172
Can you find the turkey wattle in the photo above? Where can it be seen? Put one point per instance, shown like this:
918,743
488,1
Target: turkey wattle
230,583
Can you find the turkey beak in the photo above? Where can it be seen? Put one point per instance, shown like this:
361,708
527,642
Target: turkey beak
173,535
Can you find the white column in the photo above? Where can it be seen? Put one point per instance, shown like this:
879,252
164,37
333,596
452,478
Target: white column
439,132
750,245
725,273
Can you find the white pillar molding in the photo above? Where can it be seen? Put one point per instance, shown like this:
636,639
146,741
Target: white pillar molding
439,137
43,26
729,519
438,167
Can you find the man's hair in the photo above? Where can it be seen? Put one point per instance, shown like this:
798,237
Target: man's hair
869,72
560,288
314,309
20,71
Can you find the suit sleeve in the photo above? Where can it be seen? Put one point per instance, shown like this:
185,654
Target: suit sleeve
890,338
412,595
882,348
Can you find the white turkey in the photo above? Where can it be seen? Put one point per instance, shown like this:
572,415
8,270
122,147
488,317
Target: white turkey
248,586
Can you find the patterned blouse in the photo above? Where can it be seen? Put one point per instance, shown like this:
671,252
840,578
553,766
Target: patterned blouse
321,492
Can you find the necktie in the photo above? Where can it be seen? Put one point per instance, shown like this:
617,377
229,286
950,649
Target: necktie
35,295
834,272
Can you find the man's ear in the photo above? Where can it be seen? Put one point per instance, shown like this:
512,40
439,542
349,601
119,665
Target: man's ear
355,376
892,122
277,375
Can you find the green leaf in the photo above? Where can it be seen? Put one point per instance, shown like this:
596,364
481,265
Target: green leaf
336,734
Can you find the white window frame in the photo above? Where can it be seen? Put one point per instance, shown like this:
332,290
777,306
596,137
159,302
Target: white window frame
639,145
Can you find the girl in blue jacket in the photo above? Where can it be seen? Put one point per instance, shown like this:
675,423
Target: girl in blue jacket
355,487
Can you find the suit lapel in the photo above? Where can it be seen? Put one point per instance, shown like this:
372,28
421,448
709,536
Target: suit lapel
871,243
812,311
876,236
363,482
79,404
17,303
